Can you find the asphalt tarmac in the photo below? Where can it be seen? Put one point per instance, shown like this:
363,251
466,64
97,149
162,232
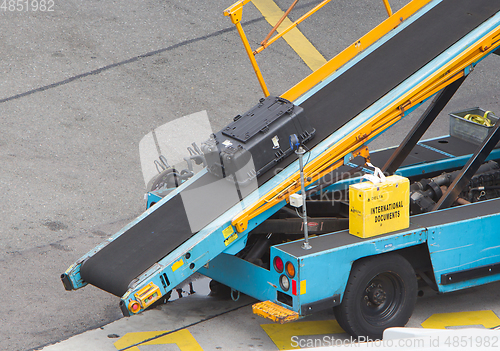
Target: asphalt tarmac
82,85
199,322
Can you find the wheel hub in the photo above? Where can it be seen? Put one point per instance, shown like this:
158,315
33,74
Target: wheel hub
375,295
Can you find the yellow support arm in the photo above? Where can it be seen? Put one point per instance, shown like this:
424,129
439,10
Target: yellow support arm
388,7
235,12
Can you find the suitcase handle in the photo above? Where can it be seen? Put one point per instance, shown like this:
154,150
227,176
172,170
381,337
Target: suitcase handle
377,176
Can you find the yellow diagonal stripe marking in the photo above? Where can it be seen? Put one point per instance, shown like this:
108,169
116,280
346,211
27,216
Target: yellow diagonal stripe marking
182,338
282,334
297,41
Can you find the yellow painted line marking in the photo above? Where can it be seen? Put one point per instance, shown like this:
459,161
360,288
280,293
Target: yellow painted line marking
281,334
488,319
182,338
177,265
298,42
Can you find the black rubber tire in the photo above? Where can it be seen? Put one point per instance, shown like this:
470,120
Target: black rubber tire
220,290
381,293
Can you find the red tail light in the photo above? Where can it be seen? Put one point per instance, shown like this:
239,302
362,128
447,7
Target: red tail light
278,264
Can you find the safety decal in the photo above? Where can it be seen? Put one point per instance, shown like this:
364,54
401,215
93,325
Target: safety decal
232,238
228,232
177,265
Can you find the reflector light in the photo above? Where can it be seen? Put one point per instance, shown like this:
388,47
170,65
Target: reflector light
134,306
294,287
290,269
284,282
278,264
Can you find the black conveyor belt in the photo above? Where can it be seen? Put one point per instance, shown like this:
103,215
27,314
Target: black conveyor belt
155,236
118,263
390,64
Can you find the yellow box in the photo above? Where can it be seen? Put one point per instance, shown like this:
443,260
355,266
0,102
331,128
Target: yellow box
380,208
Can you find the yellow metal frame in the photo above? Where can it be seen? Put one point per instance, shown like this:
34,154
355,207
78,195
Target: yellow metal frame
287,12
388,7
235,12
332,158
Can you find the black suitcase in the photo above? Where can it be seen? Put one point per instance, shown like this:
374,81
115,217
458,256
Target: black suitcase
260,135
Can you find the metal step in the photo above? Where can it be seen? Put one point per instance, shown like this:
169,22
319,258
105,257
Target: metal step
274,312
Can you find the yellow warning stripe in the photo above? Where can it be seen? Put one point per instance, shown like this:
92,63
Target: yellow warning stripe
297,41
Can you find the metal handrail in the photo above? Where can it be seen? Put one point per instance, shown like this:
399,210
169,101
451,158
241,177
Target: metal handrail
292,26
235,13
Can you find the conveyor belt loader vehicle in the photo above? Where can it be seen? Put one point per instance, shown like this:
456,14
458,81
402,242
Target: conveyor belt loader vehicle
234,221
